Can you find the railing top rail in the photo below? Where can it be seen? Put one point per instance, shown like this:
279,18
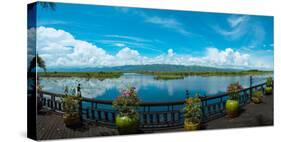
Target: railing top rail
164,103
226,94
110,101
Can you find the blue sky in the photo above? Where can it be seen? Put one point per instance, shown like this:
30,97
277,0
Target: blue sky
97,36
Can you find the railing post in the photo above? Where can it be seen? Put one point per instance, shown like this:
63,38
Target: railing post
80,110
80,102
251,84
53,102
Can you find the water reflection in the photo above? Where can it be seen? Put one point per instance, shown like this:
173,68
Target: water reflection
147,88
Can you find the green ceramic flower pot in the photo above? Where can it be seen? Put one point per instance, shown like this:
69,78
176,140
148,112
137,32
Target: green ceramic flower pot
71,120
190,126
268,90
256,100
126,124
232,108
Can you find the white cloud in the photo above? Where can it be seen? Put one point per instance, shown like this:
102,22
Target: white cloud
170,53
167,23
126,42
228,57
127,53
242,27
119,44
238,26
234,21
136,39
61,49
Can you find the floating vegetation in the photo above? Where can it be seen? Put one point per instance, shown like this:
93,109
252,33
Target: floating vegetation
181,75
168,77
98,75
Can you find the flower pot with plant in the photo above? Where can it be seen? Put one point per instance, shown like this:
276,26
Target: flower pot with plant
257,97
192,113
268,88
232,104
71,101
127,120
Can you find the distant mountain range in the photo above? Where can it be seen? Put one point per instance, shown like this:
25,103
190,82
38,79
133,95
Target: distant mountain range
153,67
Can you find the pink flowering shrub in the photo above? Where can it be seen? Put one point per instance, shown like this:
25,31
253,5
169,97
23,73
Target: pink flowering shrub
127,103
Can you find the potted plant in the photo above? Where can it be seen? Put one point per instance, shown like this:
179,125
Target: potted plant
192,113
127,120
268,88
71,101
257,97
232,104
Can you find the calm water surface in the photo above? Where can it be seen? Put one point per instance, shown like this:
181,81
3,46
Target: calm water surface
147,88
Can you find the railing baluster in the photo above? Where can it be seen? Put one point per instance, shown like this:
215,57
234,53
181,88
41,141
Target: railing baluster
60,106
52,102
158,118
165,117
173,117
209,110
145,118
221,106
113,116
48,103
44,101
55,105
92,111
105,115
87,113
179,116
150,118
214,108
99,115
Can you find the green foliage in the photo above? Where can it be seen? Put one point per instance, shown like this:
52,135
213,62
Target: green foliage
192,109
71,101
269,82
233,89
127,103
168,77
257,95
205,73
37,61
98,75
41,62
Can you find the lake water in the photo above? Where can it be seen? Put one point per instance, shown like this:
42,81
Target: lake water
147,88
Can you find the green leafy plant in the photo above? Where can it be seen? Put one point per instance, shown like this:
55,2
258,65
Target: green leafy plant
37,61
192,109
257,97
233,89
269,86
71,101
269,82
127,103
